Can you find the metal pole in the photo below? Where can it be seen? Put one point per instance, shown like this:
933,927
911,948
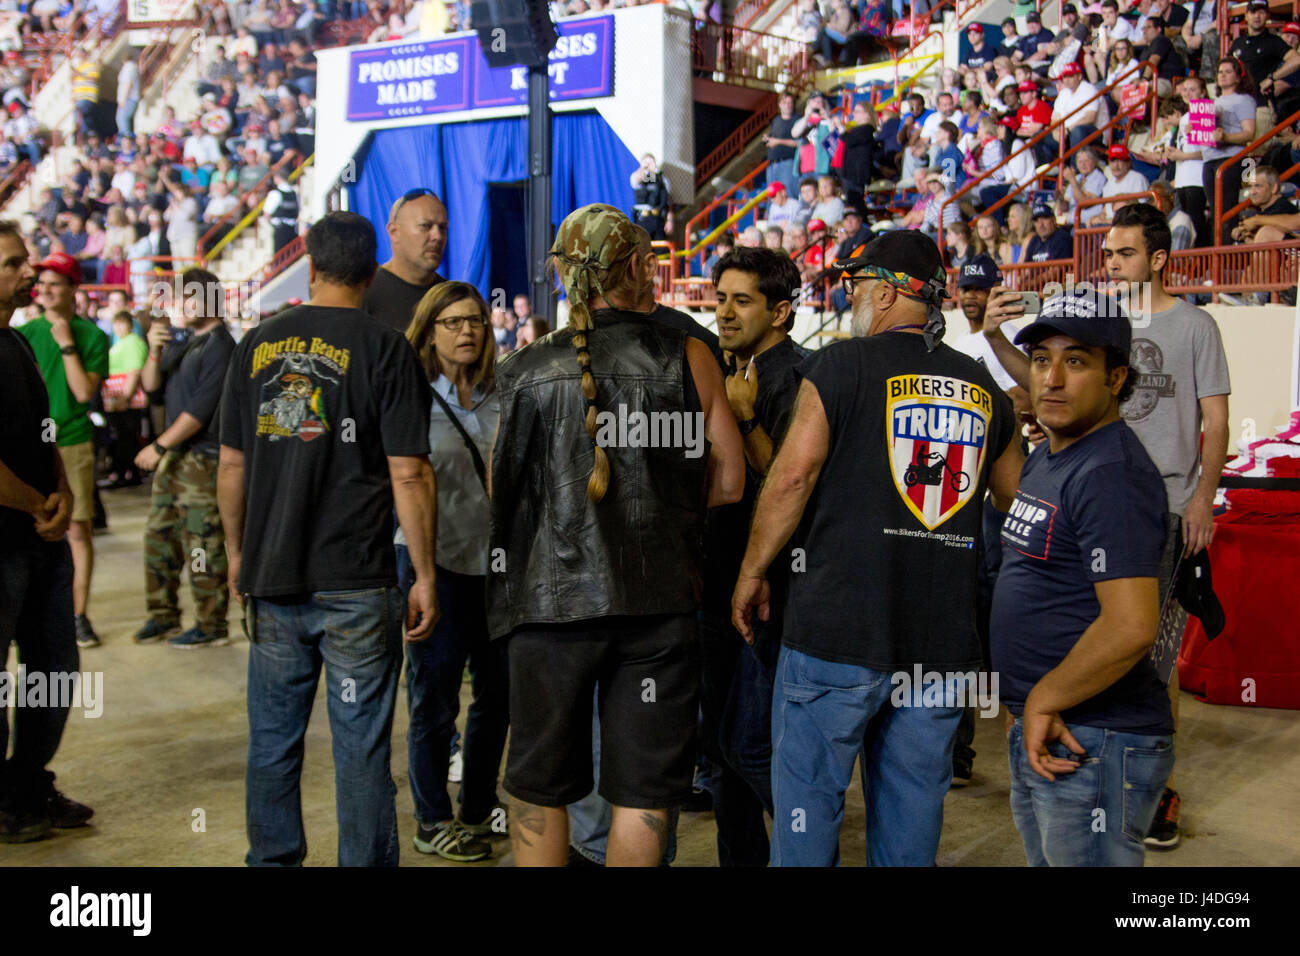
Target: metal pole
539,191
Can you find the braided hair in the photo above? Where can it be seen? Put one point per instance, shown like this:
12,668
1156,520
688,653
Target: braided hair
593,255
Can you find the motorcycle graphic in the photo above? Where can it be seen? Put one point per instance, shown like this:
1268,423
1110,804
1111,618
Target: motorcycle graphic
928,469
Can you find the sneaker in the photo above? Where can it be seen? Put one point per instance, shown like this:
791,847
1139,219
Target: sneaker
456,767
484,829
1164,829
22,825
196,638
960,775
451,841
65,814
86,636
153,632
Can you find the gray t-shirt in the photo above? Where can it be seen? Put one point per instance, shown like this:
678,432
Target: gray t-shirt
1230,112
1178,360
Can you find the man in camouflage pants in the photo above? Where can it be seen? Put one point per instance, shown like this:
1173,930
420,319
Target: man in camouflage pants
184,526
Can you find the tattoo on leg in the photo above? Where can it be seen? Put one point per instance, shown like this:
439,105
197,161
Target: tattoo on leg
525,816
659,827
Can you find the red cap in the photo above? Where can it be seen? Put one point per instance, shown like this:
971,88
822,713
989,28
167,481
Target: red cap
64,264
815,224
1292,28
1118,151
1029,86
975,28
1071,69
774,188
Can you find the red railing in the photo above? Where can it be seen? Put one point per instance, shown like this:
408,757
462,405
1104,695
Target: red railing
287,257
731,147
747,57
975,182
1219,215
249,198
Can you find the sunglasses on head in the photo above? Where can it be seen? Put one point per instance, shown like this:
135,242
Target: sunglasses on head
407,196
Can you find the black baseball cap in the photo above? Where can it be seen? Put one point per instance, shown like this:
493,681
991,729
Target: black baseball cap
901,251
1257,5
1043,211
1069,8
1033,17
980,273
1089,317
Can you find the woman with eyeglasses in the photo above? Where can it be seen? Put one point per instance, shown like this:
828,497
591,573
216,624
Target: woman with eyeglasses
450,335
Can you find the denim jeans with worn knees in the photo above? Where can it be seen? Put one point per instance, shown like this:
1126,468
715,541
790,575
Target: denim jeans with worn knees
357,636
1099,814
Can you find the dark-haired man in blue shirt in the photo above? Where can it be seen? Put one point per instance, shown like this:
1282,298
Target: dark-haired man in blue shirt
1075,610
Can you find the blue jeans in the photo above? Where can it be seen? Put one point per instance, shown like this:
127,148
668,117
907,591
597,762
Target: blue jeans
357,635
823,715
433,676
126,116
783,172
1099,814
36,614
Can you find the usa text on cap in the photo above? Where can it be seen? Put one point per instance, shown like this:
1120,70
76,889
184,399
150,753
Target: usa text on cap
1070,69
1118,151
1043,212
980,273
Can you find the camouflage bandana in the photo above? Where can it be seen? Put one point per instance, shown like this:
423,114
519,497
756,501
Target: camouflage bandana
591,239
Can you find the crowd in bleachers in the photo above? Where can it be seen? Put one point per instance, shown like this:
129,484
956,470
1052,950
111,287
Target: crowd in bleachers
852,168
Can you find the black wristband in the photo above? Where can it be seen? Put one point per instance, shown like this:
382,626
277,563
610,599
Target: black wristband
747,426
68,350
157,446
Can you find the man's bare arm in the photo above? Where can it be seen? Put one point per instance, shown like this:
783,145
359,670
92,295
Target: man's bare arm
790,481
1004,477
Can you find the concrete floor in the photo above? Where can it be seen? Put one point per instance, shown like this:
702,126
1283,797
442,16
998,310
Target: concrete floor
171,742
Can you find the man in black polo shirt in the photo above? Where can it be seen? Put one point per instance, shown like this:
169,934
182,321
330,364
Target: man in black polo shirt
881,474
1075,608
190,369
756,289
417,230
1259,50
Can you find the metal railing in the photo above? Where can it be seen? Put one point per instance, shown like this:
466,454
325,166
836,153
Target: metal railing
252,216
975,182
229,219
747,57
1239,204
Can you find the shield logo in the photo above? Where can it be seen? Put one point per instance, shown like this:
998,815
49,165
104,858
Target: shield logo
936,427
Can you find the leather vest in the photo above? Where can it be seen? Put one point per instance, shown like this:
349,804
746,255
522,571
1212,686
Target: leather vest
555,555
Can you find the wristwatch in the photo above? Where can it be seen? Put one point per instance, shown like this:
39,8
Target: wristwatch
160,449
747,426
69,350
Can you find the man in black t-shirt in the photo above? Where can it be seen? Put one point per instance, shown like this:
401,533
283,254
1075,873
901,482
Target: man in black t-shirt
756,290
893,441
184,523
417,230
1260,50
1048,242
1156,46
781,146
35,567
324,427
1076,607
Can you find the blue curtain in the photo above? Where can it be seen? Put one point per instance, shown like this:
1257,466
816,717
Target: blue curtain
589,163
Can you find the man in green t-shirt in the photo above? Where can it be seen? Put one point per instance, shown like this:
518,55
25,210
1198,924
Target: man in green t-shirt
73,357
124,401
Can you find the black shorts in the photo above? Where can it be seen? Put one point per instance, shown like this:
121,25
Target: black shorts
647,670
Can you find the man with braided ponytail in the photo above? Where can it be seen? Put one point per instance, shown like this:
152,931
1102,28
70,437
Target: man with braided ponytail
595,569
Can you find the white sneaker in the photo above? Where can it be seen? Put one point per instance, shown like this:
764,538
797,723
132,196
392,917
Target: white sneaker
455,767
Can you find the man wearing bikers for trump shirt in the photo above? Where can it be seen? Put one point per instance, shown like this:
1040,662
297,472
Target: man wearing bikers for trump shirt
893,440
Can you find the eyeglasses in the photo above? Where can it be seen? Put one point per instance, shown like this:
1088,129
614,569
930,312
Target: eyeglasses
407,196
457,322
850,281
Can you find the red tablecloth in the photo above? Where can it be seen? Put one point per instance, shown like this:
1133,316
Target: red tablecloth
1255,662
